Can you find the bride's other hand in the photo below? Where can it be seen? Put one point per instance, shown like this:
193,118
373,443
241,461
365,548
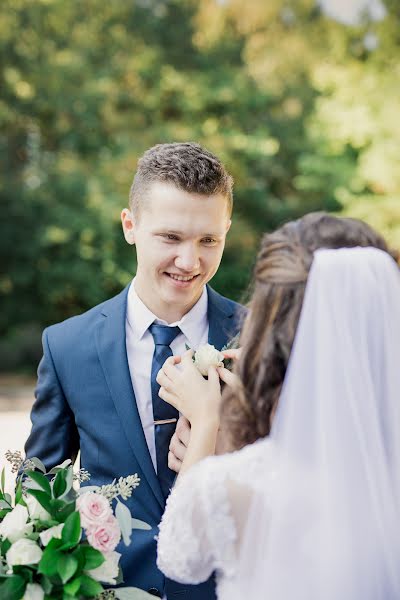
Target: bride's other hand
198,399
234,353
228,377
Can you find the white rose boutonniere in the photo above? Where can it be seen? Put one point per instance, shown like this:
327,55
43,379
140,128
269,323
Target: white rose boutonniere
207,356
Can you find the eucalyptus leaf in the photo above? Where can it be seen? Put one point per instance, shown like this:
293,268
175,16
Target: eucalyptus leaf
132,593
38,464
138,524
123,515
58,468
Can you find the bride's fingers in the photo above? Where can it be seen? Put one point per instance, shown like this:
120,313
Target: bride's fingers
234,353
168,397
228,377
170,370
163,380
213,377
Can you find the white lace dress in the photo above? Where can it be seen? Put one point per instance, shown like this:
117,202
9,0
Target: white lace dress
200,531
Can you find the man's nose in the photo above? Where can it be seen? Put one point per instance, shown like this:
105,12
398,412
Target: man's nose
188,258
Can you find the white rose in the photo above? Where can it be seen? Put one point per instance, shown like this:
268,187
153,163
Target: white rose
53,532
36,510
24,552
108,571
33,592
14,525
208,356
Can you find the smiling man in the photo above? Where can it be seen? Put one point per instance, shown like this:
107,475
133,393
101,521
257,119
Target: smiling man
97,389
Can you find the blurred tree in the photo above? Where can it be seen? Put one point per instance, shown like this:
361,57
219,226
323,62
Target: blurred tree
302,109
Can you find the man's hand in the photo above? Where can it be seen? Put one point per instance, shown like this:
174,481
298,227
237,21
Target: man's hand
179,443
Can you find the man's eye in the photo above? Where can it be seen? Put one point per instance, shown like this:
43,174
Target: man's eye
171,237
208,240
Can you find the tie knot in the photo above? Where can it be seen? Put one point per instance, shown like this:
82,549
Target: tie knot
163,335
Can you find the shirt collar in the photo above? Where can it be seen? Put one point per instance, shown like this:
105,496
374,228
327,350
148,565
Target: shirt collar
140,317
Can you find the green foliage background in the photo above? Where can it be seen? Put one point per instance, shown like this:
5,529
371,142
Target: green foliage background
303,110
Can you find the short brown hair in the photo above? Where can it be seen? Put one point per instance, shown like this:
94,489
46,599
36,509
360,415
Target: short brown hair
279,282
187,165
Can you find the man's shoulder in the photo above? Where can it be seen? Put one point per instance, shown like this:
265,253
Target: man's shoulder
89,318
228,305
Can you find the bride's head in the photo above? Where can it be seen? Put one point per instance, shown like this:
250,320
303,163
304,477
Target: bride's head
279,282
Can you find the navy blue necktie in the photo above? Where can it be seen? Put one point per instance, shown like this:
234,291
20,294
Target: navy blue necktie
163,336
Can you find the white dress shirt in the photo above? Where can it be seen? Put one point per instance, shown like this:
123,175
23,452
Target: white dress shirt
140,350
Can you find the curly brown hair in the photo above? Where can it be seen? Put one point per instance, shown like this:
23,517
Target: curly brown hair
279,282
186,165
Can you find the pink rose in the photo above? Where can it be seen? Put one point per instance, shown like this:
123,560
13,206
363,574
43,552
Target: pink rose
94,509
106,536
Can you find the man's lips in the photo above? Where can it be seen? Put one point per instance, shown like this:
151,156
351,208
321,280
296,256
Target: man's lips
181,281
178,277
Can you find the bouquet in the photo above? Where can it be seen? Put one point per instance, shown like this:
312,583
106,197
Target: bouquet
58,542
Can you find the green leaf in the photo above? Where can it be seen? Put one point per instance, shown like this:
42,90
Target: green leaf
12,588
124,517
41,480
66,566
49,562
18,493
137,524
63,513
58,468
93,558
43,498
73,586
90,587
71,533
5,546
46,584
59,484
3,480
38,464
132,593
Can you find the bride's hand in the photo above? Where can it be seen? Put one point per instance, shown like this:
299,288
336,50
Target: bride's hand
186,389
227,376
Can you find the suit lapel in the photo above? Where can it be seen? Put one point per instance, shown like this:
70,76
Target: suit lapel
111,347
221,319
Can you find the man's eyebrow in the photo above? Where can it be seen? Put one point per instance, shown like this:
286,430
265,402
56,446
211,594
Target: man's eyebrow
176,232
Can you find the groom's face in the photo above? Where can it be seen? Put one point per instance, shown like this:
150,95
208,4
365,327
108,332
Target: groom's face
179,238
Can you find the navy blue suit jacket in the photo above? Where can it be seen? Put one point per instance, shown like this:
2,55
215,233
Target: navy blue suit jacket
85,401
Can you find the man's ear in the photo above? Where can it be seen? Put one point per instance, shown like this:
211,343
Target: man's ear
128,226
229,225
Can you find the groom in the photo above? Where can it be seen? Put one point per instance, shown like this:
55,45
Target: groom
96,389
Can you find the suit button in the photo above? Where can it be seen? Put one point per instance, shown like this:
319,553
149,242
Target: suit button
155,592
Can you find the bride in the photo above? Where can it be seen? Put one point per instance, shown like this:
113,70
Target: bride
311,510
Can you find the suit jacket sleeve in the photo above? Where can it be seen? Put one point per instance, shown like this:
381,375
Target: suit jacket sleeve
54,435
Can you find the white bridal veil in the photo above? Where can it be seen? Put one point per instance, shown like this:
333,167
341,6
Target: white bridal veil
326,525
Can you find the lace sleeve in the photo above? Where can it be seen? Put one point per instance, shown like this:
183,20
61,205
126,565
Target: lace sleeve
197,533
